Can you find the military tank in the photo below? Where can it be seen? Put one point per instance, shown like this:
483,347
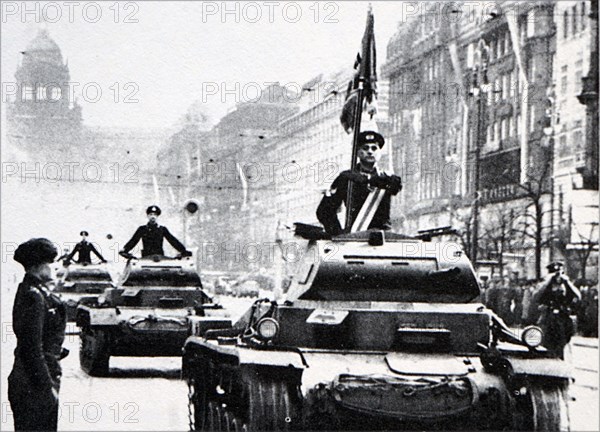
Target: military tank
81,282
378,331
146,314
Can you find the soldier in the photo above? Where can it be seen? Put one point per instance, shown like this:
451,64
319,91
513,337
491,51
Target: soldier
152,235
365,178
556,296
84,250
39,319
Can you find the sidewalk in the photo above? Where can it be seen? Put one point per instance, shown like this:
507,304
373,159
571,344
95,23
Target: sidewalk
585,341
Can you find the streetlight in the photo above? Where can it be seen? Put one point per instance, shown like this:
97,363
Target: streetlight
480,81
548,142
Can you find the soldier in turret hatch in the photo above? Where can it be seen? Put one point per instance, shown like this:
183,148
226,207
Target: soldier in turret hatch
152,235
84,249
366,177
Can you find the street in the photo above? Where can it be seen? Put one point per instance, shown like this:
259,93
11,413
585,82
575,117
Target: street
147,394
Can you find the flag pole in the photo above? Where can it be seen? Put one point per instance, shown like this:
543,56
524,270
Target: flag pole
358,116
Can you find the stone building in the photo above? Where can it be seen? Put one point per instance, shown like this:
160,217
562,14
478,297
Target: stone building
42,118
477,152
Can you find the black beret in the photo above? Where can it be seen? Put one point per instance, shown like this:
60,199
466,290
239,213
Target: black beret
371,137
153,209
84,233
555,266
35,251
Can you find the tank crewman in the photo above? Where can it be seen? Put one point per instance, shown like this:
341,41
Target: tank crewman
152,235
84,250
366,177
555,297
39,320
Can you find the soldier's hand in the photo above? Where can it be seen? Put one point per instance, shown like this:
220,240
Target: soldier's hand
391,183
354,176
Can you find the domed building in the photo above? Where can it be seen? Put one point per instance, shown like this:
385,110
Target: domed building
42,116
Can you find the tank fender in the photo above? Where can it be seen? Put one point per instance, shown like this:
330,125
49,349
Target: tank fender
546,367
272,358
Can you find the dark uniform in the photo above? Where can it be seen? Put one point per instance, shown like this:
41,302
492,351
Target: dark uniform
331,202
85,249
363,184
152,236
39,319
556,297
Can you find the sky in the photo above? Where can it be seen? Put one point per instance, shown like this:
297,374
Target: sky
142,64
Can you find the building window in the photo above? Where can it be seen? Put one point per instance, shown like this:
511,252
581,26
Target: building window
565,24
496,135
518,125
531,18
564,82
562,146
507,43
500,46
27,93
510,127
504,130
531,69
583,16
574,28
531,118
56,93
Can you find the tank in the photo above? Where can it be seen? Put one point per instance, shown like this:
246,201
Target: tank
81,282
146,314
378,331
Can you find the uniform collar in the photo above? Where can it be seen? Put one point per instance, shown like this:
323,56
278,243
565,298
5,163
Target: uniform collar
360,169
32,280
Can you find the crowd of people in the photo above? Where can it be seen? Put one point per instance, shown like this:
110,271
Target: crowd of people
515,303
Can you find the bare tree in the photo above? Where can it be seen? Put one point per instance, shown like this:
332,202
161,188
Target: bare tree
499,232
588,243
531,220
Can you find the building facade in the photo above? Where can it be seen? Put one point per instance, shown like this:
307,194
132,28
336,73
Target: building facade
469,96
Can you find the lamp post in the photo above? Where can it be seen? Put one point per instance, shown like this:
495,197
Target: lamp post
480,80
548,129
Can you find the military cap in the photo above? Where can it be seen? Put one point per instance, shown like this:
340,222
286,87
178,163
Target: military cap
84,233
555,266
35,251
371,137
153,209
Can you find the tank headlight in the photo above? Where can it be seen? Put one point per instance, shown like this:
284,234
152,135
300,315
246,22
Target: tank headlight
267,328
101,299
532,336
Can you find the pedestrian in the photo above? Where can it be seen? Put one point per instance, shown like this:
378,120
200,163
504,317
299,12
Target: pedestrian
152,235
39,320
84,250
365,179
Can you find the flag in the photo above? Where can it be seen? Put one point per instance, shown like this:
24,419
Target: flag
366,66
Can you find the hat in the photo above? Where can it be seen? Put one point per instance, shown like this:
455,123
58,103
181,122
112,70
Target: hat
153,209
555,266
371,137
35,251
84,233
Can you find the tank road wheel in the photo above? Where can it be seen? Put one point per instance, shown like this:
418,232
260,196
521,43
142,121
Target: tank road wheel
93,352
213,417
544,408
197,409
274,404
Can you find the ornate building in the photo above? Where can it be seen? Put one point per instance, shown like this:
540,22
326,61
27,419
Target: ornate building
43,119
